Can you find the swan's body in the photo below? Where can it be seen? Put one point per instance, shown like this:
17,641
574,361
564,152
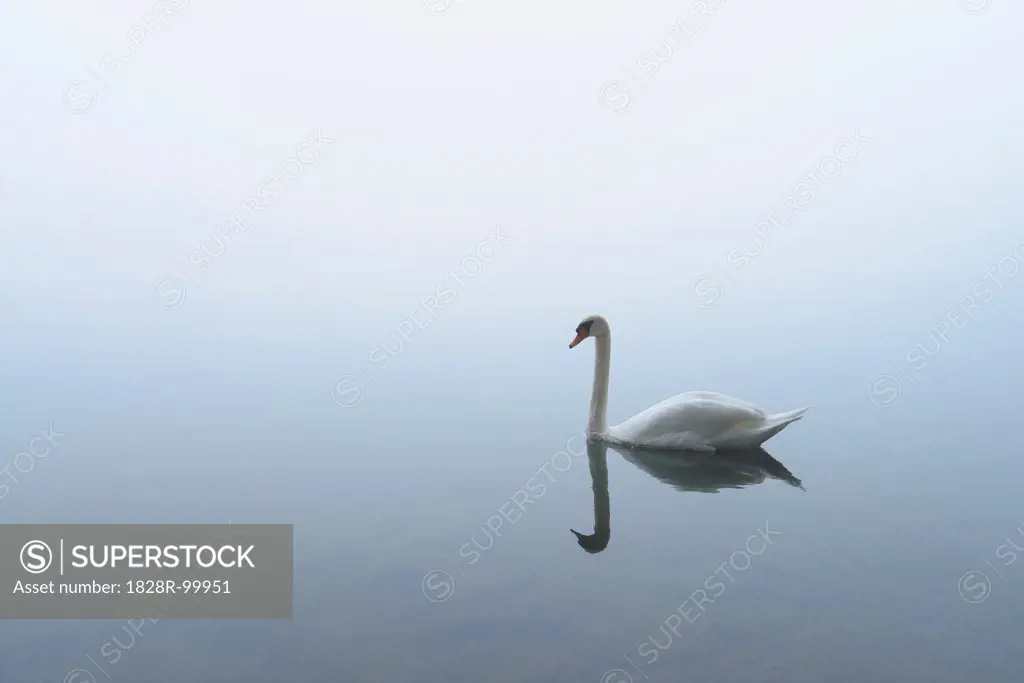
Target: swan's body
701,420
695,420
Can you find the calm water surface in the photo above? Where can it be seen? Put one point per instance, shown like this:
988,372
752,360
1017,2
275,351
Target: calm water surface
432,519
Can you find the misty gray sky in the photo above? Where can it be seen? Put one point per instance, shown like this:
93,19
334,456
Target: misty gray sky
444,125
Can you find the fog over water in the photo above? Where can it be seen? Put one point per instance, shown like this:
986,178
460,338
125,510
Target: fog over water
318,263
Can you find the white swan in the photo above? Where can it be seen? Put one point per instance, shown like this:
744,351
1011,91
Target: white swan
695,420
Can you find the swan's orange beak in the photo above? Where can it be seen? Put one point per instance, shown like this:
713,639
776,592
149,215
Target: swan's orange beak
580,336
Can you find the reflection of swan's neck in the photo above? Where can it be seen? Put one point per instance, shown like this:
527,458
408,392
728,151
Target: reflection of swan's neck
598,541
602,504
599,395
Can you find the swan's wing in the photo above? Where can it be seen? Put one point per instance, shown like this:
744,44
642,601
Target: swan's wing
724,400
695,415
710,412
714,416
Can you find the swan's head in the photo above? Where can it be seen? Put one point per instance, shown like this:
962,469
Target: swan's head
591,326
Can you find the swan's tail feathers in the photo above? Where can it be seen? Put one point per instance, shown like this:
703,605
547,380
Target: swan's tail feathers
787,417
773,424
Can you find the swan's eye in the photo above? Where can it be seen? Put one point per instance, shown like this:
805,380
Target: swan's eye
582,332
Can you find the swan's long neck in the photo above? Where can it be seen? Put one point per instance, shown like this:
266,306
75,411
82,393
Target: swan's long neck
599,395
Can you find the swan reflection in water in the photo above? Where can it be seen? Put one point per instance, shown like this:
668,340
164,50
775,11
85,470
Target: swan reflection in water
683,471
